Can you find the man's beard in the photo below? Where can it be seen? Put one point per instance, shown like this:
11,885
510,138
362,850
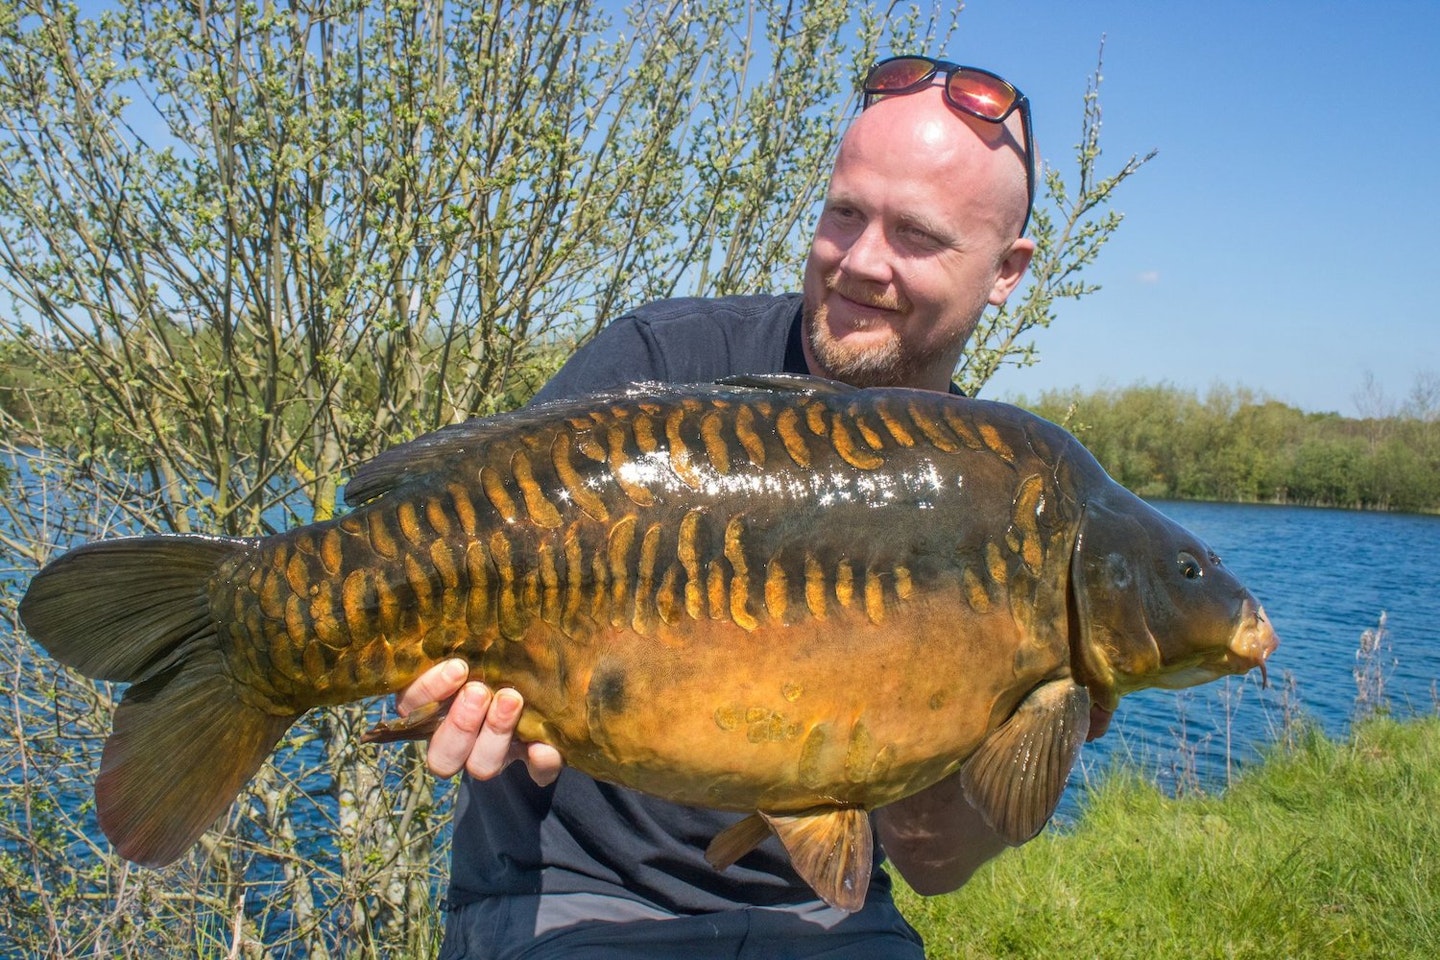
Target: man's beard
885,364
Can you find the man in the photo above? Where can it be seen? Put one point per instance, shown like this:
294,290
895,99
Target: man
922,227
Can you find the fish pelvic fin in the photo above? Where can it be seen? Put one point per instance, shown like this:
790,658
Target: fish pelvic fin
136,610
1017,775
832,848
736,840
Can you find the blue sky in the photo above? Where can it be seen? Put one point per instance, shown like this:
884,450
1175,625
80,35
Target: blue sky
1285,237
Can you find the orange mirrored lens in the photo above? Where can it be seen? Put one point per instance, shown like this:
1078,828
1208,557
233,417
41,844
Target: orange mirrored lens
986,97
973,91
896,75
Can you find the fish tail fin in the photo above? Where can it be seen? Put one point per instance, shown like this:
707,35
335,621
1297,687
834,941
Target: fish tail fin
183,746
184,741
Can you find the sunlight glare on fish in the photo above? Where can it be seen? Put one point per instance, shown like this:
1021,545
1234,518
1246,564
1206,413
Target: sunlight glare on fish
826,488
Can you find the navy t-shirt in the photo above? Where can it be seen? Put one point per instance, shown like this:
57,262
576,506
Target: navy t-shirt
579,835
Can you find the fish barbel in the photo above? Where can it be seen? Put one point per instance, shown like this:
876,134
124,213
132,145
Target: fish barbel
775,594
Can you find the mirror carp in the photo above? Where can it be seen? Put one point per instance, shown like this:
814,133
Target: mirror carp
777,594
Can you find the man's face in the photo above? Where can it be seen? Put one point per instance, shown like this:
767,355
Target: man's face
916,236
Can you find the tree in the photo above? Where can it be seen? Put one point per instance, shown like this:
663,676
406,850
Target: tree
247,245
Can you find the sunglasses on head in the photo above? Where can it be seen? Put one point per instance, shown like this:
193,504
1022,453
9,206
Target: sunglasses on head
973,91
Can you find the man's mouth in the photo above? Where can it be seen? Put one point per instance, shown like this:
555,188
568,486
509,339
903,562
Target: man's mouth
862,300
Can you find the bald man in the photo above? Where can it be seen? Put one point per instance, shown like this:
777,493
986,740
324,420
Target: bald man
921,229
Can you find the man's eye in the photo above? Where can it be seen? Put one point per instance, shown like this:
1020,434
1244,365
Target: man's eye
918,237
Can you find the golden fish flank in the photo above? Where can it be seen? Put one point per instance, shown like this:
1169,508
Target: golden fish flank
776,595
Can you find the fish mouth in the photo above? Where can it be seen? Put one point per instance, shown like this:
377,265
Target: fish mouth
1253,643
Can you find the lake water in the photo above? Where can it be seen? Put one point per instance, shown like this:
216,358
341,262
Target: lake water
1324,577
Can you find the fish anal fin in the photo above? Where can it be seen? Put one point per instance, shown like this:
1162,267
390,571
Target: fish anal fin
736,840
418,724
1017,775
183,746
832,849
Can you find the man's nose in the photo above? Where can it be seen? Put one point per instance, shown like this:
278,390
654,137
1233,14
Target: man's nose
868,256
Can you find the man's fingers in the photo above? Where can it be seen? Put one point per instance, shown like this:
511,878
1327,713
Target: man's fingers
478,734
438,683
544,763
492,750
452,744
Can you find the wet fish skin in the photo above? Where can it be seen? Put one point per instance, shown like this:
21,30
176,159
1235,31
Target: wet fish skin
779,595
671,576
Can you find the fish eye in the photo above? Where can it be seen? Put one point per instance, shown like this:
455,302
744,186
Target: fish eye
1190,567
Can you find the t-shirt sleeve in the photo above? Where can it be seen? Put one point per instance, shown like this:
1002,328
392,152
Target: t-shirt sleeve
623,352
685,340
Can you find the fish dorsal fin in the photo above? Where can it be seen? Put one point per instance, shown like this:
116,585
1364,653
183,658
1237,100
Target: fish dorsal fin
788,382
443,451
1017,775
438,452
832,849
421,457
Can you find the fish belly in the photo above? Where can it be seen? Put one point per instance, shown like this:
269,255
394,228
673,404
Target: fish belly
786,718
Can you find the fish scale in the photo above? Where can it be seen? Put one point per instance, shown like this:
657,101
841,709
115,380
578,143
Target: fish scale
778,595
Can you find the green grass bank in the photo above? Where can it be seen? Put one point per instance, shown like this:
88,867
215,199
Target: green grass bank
1327,849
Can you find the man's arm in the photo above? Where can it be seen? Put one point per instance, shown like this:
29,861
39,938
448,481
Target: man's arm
935,838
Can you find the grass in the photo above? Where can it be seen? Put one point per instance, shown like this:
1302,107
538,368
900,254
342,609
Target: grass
1325,850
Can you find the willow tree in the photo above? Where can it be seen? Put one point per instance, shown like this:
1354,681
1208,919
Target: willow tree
247,245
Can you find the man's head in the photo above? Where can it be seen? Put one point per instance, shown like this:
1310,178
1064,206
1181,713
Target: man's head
919,232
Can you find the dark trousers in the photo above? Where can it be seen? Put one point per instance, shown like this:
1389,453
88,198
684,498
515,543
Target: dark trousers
564,927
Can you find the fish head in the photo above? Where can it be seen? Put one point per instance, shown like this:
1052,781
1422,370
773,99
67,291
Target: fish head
1154,606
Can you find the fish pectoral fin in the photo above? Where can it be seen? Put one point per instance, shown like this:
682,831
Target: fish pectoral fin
736,840
418,724
831,848
1016,777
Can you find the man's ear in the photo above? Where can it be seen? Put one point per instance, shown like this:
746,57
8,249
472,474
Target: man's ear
1012,270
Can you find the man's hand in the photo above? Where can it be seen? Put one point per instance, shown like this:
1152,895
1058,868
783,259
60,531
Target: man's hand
478,733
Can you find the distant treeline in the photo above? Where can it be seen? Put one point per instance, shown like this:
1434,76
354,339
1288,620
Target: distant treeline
1165,442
